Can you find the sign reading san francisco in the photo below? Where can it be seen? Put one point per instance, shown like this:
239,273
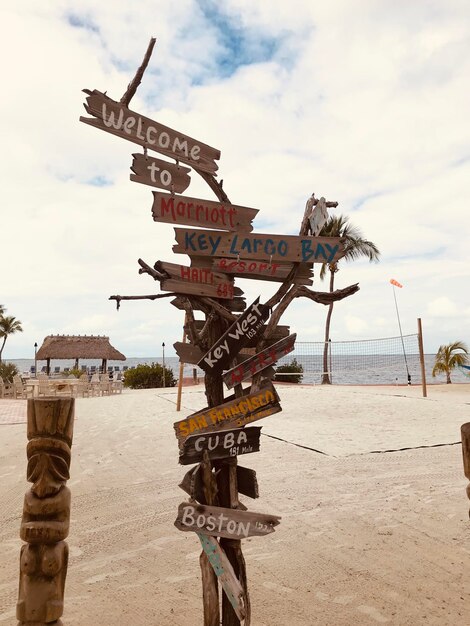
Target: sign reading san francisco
302,249
115,118
206,213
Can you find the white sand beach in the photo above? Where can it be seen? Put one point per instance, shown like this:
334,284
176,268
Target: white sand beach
367,536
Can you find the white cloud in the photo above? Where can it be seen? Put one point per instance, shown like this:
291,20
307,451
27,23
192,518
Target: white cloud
364,103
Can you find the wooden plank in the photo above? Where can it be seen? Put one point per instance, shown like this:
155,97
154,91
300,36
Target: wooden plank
247,482
237,305
188,353
197,281
225,573
244,329
158,173
259,361
465,432
261,270
173,209
115,118
279,333
221,445
219,521
261,246
234,413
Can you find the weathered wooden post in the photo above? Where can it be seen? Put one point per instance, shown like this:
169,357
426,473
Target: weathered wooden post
221,247
46,512
465,431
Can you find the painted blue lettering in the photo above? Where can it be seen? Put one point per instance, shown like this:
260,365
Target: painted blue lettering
307,251
188,241
333,250
233,245
246,245
320,251
256,243
269,247
214,243
201,240
282,247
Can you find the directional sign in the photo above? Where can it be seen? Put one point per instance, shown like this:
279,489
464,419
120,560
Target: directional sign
220,445
263,270
197,281
301,249
157,173
235,413
246,481
221,522
465,432
259,361
205,213
225,573
235,338
115,118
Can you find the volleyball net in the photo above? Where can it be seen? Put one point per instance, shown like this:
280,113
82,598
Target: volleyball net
386,361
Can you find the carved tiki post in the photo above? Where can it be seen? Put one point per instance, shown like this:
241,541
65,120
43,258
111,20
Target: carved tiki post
465,431
46,512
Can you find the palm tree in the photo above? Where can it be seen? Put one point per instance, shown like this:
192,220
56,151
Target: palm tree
2,310
355,246
8,326
447,358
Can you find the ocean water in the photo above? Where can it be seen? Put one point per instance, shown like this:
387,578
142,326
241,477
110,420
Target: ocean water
369,369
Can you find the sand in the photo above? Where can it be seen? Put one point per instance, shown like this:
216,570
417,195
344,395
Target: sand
366,537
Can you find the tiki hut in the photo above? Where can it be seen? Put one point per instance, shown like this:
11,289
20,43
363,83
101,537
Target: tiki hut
78,347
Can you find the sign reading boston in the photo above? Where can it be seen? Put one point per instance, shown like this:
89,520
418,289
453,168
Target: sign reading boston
117,119
235,338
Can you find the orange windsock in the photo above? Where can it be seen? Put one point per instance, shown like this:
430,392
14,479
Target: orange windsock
396,283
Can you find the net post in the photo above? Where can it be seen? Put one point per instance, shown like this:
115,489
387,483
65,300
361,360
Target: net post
421,358
181,372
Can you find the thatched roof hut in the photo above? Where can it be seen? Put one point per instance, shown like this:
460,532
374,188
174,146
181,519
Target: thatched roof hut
78,347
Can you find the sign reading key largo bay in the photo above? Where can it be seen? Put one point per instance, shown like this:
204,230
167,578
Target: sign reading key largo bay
117,119
302,249
235,338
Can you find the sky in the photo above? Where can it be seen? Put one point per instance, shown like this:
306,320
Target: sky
365,103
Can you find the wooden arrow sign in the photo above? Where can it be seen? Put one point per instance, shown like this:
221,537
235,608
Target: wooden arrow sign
225,573
259,361
196,281
258,246
235,338
220,445
263,270
221,522
204,213
246,481
465,432
157,173
235,413
115,118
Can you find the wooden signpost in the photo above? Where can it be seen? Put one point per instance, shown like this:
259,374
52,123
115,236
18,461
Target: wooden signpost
465,432
220,445
258,246
221,522
158,173
115,118
244,329
221,245
197,281
203,213
258,362
236,413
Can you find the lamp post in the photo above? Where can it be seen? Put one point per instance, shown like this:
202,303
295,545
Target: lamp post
35,360
163,349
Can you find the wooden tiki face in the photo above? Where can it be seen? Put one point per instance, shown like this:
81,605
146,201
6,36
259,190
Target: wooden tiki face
48,465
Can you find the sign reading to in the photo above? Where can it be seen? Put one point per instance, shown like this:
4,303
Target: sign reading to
235,338
225,573
220,445
117,119
302,249
206,213
235,413
158,173
259,361
220,522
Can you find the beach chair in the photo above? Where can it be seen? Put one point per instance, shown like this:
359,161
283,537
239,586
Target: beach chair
44,386
83,387
20,389
6,390
95,384
105,384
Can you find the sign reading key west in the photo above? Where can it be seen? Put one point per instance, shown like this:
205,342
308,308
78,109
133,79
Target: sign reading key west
301,249
117,119
235,338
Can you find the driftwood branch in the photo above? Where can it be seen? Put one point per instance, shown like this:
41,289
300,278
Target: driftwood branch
150,297
135,82
146,269
214,185
190,324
